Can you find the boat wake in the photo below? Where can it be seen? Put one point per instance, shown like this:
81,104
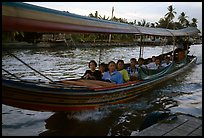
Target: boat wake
88,115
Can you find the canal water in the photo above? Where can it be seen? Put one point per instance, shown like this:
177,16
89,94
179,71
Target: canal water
181,95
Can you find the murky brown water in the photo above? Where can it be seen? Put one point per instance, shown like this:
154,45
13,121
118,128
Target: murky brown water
180,95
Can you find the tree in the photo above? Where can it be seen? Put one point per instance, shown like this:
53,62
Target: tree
194,22
183,19
143,23
162,23
103,18
170,15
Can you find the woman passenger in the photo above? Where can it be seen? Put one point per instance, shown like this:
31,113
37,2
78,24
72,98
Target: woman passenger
102,68
92,74
112,75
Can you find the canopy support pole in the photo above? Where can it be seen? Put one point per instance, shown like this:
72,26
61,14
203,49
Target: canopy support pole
140,46
174,44
100,53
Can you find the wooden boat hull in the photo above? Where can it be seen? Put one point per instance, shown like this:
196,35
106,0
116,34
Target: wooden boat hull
51,97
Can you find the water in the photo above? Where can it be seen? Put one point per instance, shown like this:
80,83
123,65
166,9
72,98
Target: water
182,95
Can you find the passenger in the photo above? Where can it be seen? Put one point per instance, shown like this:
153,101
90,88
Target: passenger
133,70
112,75
141,63
167,62
151,63
92,74
120,67
102,68
164,59
156,65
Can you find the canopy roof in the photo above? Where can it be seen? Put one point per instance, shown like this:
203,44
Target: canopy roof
17,16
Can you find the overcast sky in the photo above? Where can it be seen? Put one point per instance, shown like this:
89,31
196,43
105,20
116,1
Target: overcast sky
150,11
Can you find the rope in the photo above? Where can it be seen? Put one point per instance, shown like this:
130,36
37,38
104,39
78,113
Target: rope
11,74
30,67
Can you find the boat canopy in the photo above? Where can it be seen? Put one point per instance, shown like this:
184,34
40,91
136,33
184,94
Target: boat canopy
18,16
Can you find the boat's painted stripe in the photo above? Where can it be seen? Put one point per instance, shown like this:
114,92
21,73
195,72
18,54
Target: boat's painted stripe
47,17
22,24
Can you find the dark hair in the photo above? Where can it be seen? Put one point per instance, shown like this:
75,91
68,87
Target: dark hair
111,62
103,64
122,61
93,61
141,59
134,59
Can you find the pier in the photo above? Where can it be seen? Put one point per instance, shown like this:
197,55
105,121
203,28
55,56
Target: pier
183,125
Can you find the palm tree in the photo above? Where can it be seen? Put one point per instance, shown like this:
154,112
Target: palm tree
183,19
95,15
162,23
170,15
143,23
194,22
103,18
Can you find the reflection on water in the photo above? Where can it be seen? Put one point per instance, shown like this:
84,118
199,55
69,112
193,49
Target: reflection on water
180,95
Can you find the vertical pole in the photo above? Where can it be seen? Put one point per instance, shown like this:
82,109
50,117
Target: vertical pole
163,43
140,46
111,19
99,62
174,44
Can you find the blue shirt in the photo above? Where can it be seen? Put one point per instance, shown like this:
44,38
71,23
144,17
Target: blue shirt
115,77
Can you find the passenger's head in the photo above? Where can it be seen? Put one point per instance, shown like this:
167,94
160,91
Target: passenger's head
133,62
153,58
140,61
111,66
92,64
157,61
120,64
102,67
167,60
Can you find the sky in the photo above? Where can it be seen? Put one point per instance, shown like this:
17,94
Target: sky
150,11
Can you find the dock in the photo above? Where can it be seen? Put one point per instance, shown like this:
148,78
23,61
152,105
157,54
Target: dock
183,125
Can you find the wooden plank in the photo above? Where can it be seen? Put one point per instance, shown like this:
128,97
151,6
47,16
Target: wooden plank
197,132
183,126
186,128
162,128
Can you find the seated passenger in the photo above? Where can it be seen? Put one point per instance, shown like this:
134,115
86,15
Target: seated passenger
167,62
112,75
92,74
152,62
120,67
133,70
141,63
155,65
102,68
164,59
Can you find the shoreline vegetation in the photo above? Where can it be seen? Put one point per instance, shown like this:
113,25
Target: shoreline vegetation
48,40
26,45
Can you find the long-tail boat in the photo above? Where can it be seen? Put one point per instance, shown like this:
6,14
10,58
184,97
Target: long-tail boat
80,94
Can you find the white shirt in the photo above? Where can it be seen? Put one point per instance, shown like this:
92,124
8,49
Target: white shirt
152,65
